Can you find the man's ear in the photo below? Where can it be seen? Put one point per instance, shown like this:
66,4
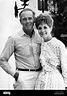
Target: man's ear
34,19
20,21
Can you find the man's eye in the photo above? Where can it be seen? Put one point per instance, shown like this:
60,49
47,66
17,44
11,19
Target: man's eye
39,28
24,19
29,18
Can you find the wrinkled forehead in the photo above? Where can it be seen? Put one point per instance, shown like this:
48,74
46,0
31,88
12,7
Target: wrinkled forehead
26,13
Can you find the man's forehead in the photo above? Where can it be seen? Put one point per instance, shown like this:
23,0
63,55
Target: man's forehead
27,13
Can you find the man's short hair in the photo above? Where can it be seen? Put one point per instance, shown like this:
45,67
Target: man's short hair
26,9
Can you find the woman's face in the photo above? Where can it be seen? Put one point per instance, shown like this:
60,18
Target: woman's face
44,31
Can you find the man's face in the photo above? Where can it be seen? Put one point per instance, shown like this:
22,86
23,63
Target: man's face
27,20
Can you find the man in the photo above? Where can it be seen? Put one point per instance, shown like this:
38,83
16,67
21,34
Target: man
26,50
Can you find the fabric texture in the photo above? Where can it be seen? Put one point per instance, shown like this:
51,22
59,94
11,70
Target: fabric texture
27,80
25,49
52,55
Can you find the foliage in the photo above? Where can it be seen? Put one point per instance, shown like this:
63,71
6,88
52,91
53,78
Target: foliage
59,13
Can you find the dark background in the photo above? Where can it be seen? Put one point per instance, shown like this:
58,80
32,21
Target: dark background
59,16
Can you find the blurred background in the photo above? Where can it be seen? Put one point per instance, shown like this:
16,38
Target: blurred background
9,24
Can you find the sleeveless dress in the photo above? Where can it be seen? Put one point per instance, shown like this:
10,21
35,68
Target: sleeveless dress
50,78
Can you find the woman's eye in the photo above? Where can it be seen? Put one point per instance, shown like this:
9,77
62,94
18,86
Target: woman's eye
45,27
30,18
39,28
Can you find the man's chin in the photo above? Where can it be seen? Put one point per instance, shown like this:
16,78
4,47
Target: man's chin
29,29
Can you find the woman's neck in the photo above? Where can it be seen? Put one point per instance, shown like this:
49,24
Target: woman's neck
48,39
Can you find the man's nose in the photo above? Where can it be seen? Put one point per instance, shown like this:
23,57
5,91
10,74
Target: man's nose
27,20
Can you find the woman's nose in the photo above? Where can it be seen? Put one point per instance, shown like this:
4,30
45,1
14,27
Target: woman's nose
43,30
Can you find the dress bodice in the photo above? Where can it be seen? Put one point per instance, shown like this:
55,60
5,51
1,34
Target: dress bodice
50,55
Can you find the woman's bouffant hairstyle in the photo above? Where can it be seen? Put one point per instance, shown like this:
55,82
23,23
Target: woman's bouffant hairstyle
46,18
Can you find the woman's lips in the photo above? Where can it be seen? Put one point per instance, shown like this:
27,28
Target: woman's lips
41,34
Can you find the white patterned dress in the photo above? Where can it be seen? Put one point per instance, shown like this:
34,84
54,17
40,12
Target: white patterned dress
52,55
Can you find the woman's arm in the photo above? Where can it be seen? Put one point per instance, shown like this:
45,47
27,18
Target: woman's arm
64,63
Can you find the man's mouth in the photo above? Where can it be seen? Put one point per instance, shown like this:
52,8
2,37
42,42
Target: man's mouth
29,24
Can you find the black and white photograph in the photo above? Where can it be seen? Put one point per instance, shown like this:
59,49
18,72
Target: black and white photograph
33,45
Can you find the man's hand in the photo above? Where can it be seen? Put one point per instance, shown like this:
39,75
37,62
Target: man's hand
65,88
18,84
16,75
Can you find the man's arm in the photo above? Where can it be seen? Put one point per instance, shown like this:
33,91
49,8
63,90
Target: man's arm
5,55
6,67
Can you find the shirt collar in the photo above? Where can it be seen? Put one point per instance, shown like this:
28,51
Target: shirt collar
22,33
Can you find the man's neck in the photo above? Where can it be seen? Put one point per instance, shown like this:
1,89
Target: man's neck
29,32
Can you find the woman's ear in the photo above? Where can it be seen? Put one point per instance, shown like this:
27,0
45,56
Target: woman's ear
52,33
51,28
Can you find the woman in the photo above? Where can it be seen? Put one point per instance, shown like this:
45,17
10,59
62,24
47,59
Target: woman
52,56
